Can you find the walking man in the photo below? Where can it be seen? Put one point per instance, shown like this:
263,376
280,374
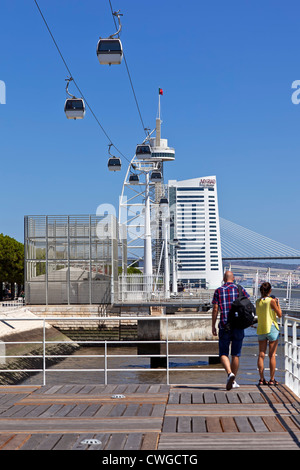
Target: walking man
222,300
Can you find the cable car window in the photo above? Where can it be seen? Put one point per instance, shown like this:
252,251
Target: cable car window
74,104
109,46
143,149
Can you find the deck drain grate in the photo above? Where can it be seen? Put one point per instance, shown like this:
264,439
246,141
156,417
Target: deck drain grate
91,442
118,396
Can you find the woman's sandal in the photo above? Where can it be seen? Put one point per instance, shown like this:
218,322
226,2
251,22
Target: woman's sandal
262,382
273,382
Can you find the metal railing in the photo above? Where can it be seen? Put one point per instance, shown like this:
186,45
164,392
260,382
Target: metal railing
5,304
292,356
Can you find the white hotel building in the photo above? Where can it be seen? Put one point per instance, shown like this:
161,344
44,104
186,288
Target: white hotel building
195,215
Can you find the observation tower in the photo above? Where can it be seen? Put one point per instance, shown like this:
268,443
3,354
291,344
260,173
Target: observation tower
143,202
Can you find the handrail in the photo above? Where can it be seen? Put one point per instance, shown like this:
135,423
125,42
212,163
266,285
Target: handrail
291,376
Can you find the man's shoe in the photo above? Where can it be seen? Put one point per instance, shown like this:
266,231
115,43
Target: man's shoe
230,380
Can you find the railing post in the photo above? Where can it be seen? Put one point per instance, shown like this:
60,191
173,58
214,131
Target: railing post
105,363
44,352
167,350
286,351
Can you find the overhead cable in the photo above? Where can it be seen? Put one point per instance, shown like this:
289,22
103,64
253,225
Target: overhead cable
75,83
129,76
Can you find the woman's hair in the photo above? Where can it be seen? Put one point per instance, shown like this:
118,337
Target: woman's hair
265,289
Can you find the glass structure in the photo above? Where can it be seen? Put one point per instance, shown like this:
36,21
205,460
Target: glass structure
72,259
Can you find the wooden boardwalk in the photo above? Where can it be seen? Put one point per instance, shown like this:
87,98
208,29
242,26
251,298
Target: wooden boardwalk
148,417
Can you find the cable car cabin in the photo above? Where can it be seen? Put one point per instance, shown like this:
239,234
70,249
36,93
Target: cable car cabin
134,179
164,202
74,108
155,176
114,164
143,151
109,51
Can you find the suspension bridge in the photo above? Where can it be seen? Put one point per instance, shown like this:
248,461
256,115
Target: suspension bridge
240,243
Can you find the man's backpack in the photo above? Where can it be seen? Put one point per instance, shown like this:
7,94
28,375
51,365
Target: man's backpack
242,312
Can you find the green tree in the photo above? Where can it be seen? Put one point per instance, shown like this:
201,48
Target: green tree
11,261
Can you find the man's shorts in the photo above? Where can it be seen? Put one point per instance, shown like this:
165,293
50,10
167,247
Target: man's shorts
235,337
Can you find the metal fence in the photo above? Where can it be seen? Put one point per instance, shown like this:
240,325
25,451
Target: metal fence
292,353
291,346
71,259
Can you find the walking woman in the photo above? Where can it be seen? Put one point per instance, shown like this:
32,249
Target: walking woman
267,308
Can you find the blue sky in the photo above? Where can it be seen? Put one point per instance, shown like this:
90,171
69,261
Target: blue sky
226,69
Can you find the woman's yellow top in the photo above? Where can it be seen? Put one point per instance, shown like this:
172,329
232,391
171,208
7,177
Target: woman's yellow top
265,316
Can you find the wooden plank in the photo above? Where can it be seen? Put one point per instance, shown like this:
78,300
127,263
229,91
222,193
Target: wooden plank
158,411
186,398
243,424
53,389
65,410
23,411
117,410
12,410
184,424
169,424
16,442
213,424
91,410
197,397
134,441
199,424
273,424
154,388
232,397
34,441
257,397
66,442
104,410
37,411
78,410
258,424
296,420
81,425
87,398
49,442
51,411
221,397
150,441
174,398
218,410
228,424
227,441
245,397
66,389
116,442
209,397
143,388
132,388
120,389
131,410
145,409
87,389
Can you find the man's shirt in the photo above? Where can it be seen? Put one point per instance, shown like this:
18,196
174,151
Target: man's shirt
223,297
